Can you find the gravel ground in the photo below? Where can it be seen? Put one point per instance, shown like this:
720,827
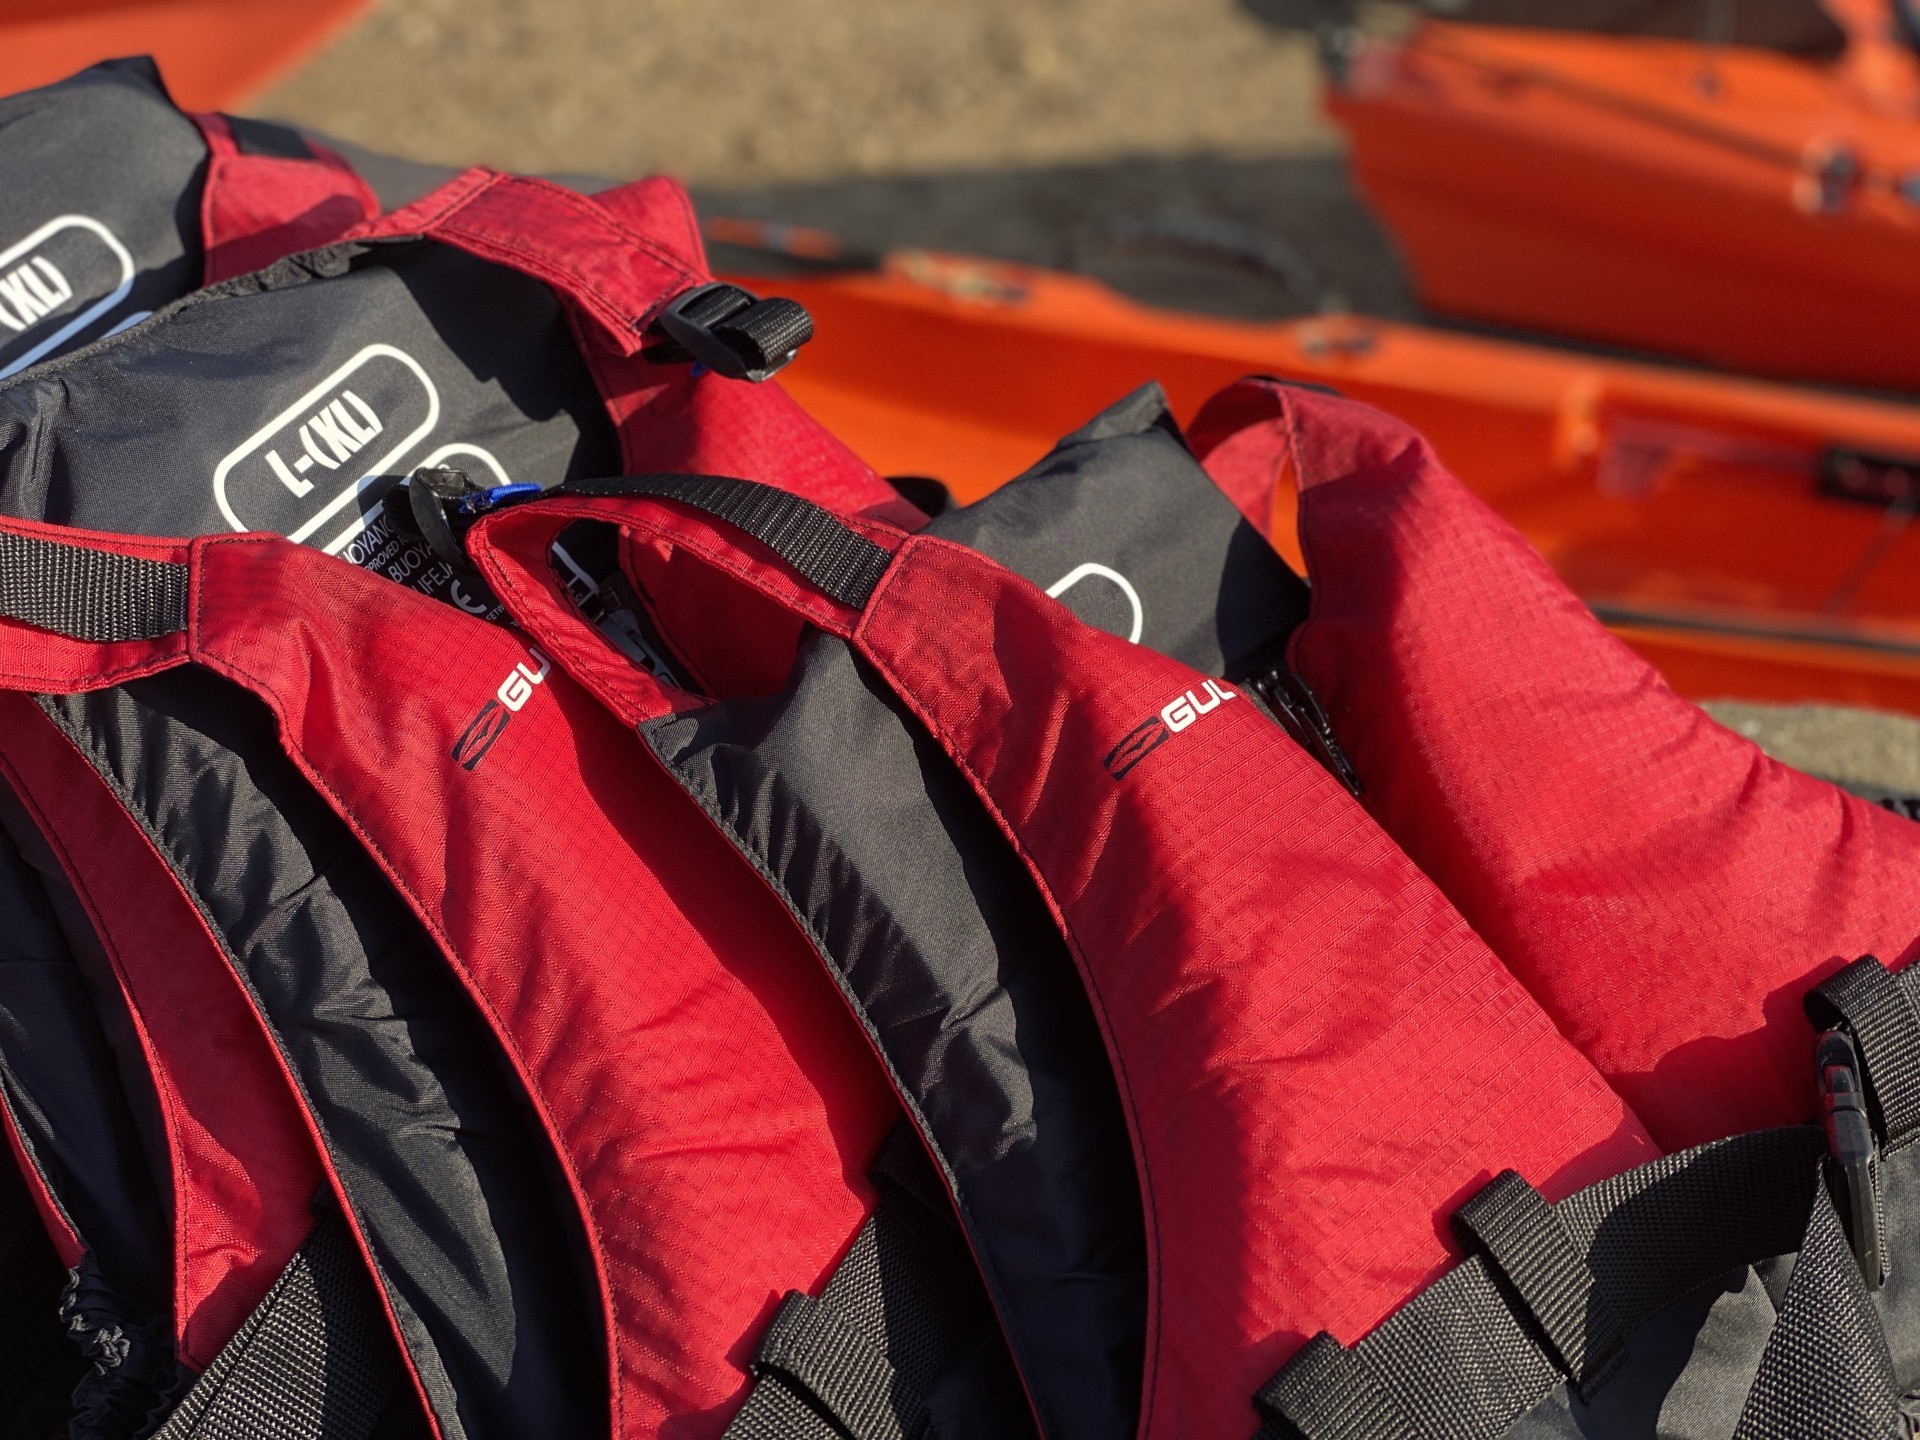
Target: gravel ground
1036,130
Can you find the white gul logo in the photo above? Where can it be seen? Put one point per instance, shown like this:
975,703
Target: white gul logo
1183,710
517,688
309,462
54,283
1156,730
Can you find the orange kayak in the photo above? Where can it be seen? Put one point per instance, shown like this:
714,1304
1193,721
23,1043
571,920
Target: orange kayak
213,53
1739,206
1751,539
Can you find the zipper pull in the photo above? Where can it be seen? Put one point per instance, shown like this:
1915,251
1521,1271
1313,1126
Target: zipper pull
1289,700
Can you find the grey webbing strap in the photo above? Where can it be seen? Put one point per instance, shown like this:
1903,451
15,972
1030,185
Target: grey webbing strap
1328,1392
1879,1009
1465,1348
813,1345
1826,1369
312,1362
840,563
901,1310
1513,1226
88,594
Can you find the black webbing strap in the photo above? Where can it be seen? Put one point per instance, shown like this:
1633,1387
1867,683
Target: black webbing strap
314,1361
1511,1224
89,594
1330,1393
1880,1010
1826,1369
1466,1348
838,562
901,1310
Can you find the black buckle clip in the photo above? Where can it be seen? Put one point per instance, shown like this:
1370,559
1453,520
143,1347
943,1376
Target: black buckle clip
1850,1141
438,505
1300,714
730,331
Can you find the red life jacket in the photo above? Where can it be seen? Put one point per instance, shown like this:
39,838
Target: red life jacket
1291,1011
1663,889
113,204
604,268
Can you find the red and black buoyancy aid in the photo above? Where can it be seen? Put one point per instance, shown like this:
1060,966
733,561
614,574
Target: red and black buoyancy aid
587,1107
1421,598
551,377
1305,1041
114,203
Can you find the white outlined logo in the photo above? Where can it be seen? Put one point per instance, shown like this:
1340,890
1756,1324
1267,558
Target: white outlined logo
1090,571
309,462
65,263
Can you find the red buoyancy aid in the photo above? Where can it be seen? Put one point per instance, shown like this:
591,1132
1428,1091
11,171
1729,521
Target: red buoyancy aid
1663,889
1316,1057
114,203
711,1110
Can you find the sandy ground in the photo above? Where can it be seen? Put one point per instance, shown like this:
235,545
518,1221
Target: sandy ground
1038,130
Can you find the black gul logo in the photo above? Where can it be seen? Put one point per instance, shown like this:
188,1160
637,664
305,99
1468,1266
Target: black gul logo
307,464
54,283
1176,715
486,727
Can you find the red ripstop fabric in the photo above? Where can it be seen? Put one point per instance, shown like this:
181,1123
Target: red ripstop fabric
244,1166
255,209
1666,891
1318,1058
708,1097
617,259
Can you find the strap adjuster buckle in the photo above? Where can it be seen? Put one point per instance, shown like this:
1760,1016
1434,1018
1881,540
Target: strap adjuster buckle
1850,1141
731,332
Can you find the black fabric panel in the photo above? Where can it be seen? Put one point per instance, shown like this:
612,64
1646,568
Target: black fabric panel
441,1154
1123,493
102,151
38,1368
937,935
261,403
73,1074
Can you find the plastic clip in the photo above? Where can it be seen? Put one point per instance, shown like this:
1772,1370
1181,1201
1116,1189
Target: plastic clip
1850,1141
731,332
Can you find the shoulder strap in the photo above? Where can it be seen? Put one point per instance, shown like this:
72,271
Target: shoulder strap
271,192
312,1362
586,247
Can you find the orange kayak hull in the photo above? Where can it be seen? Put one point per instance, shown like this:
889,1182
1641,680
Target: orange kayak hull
213,53
1687,508
1747,209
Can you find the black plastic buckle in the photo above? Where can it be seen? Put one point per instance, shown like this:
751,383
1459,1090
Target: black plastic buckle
1299,712
1851,1143
438,506
732,332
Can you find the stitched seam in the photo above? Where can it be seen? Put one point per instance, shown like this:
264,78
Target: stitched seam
538,1099
907,555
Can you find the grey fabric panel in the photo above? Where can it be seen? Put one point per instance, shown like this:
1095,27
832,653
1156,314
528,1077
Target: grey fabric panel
263,402
479,1247
1124,494
105,151
75,1079
938,937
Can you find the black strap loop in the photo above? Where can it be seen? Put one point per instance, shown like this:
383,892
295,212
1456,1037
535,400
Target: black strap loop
840,563
1878,1008
811,1344
1328,1392
314,1360
1512,1225
87,594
